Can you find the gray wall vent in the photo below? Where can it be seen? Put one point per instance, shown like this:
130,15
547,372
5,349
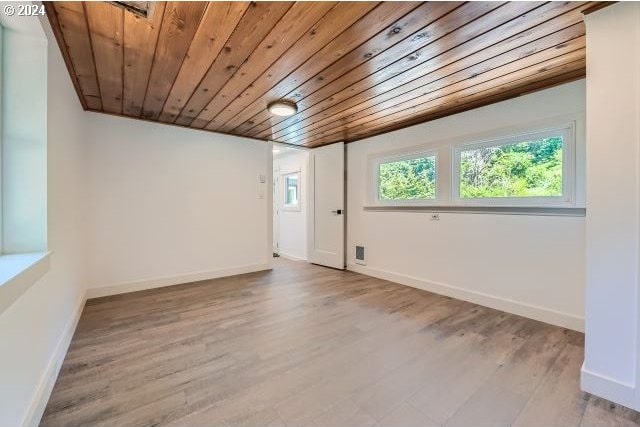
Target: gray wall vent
360,255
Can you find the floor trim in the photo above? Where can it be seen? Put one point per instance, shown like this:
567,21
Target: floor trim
609,388
159,282
291,257
43,392
510,306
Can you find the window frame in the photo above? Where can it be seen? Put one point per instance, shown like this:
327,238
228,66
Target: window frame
291,207
568,197
374,177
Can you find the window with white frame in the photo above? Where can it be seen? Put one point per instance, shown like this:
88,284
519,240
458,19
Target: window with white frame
534,169
292,191
405,179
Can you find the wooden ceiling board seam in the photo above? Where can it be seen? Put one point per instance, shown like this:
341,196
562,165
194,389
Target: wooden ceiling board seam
435,30
104,23
217,104
578,24
339,135
76,45
57,32
138,62
200,81
339,116
356,70
153,60
373,56
426,63
515,93
403,70
182,118
259,105
550,82
147,111
229,113
443,92
416,103
93,53
168,116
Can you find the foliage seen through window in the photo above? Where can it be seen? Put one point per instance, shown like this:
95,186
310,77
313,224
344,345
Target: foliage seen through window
524,169
411,179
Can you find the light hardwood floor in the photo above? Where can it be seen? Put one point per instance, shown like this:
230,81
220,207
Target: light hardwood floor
304,345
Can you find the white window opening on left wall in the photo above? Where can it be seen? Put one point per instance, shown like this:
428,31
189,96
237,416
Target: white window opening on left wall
23,163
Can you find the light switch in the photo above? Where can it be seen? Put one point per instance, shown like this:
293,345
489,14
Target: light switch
263,179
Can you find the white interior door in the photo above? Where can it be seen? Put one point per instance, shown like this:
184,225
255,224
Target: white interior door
326,213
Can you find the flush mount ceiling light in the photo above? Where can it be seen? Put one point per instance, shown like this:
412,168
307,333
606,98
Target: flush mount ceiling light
282,108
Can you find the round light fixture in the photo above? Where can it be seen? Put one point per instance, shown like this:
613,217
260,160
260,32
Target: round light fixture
282,108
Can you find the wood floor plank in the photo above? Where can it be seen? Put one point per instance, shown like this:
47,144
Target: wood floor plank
303,345
558,387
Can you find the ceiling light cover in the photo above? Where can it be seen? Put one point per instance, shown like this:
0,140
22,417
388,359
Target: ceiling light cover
282,108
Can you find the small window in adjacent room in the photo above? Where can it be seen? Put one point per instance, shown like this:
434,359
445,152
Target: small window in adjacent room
408,179
529,169
292,191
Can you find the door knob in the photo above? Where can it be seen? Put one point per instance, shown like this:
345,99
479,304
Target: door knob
337,212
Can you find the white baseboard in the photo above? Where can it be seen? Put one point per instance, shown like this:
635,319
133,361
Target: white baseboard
504,304
291,257
159,282
609,388
43,392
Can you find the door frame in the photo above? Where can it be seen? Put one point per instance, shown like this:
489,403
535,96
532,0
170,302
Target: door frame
311,206
305,200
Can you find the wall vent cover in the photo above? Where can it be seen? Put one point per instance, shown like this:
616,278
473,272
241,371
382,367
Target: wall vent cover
360,255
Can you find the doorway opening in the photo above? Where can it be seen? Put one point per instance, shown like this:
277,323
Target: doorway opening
290,202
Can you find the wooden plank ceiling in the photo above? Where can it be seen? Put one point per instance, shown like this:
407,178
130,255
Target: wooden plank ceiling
354,69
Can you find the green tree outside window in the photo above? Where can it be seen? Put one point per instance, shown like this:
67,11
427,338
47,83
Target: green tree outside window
524,169
411,179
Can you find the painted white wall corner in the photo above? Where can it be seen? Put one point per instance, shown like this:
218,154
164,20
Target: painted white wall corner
611,368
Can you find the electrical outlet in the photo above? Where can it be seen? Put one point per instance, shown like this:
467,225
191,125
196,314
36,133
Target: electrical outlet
435,217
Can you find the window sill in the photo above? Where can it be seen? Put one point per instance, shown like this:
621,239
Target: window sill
493,210
18,272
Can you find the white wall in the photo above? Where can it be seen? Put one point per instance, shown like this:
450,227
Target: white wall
529,265
35,329
292,227
130,205
611,368
171,205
